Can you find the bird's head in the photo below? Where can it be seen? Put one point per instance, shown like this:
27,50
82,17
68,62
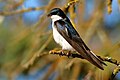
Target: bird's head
56,12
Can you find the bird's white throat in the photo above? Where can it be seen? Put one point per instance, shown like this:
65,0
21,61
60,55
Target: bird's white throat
55,18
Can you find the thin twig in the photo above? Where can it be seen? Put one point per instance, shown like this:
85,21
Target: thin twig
109,6
114,73
8,13
38,54
76,55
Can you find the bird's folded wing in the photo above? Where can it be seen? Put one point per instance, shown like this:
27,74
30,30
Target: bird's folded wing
73,38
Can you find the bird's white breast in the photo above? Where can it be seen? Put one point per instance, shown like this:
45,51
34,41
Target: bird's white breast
57,36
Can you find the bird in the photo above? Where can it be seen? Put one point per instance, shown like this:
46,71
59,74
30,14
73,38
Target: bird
68,38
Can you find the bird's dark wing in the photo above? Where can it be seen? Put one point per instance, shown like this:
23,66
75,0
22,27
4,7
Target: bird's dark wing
73,38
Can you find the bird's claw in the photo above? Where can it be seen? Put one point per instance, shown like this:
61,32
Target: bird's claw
68,54
61,52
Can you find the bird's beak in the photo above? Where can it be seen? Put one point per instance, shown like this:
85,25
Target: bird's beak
49,14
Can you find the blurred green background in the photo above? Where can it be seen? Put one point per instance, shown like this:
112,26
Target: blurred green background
26,39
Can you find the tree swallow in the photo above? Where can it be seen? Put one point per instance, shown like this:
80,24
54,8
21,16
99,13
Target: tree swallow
65,35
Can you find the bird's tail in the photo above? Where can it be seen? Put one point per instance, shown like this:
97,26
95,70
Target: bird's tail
91,57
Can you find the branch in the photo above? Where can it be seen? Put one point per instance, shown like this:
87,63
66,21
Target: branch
7,13
109,6
37,55
114,73
74,54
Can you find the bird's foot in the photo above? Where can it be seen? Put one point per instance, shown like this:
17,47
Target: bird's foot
68,54
61,52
